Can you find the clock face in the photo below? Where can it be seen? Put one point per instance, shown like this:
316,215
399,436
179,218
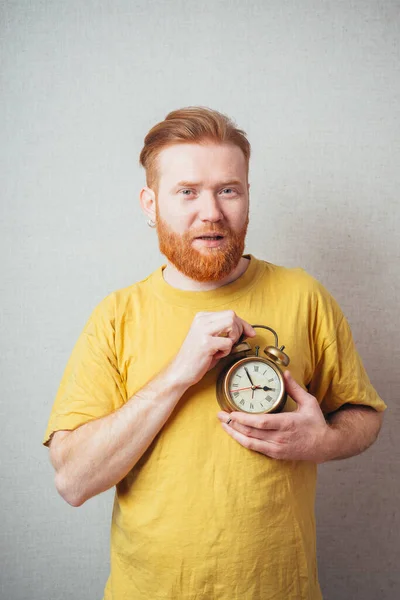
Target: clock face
254,386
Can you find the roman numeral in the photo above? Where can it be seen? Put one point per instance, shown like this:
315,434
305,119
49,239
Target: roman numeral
235,385
251,406
256,367
269,380
268,398
242,401
236,394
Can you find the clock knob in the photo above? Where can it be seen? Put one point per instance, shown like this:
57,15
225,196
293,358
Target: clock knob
277,356
240,346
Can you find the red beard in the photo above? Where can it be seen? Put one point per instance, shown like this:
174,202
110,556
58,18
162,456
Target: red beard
212,264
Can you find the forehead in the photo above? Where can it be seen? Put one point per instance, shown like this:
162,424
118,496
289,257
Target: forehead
206,163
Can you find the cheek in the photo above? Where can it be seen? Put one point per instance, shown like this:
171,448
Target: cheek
237,217
237,209
183,217
182,224
178,219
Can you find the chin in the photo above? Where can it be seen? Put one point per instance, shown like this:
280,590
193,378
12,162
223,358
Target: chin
210,251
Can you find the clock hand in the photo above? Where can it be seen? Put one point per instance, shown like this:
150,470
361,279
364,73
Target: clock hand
256,387
247,373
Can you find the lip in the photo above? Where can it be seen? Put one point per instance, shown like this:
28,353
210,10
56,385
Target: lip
210,243
211,234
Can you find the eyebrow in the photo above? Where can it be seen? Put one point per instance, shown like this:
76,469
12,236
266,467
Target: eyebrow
196,184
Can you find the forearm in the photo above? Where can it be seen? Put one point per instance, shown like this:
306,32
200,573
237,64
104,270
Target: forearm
352,429
97,455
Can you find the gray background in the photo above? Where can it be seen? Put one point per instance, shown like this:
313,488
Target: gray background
316,86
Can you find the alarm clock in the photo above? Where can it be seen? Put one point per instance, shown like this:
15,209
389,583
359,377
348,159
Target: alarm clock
252,383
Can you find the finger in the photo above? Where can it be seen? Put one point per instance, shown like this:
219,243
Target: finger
220,346
219,349
266,435
294,389
226,418
248,330
216,358
267,448
222,324
223,415
226,323
262,421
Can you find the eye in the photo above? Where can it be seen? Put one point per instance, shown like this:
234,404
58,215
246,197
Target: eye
229,192
186,192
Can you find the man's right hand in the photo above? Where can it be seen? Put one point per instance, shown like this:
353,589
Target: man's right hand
210,338
97,455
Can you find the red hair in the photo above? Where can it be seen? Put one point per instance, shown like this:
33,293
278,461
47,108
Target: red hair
193,124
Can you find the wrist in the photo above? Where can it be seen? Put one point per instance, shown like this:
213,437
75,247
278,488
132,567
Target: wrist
176,378
183,372
328,444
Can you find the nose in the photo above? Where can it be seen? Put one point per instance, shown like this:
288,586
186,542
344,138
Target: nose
210,208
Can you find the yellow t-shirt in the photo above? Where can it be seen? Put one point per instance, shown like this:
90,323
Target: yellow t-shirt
199,516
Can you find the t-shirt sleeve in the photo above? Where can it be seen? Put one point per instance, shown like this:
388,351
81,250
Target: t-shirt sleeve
339,376
91,386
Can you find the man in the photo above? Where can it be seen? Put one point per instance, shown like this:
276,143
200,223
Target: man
208,504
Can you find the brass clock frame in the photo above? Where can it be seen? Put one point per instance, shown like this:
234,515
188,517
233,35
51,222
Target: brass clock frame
276,357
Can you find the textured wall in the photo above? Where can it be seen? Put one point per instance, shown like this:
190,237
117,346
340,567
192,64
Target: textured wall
316,86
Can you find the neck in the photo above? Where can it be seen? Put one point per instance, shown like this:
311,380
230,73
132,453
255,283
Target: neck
177,280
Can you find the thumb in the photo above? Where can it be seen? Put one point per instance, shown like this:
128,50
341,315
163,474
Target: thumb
248,330
294,389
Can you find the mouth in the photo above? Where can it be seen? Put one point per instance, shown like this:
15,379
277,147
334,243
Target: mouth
211,236
210,240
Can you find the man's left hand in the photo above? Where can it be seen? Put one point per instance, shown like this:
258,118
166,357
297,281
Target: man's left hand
298,435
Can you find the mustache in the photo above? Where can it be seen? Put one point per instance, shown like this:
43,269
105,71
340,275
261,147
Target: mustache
208,229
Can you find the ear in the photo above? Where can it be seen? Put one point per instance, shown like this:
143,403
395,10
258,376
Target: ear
148,202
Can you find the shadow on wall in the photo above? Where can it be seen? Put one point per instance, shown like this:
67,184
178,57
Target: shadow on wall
357,514
345,250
